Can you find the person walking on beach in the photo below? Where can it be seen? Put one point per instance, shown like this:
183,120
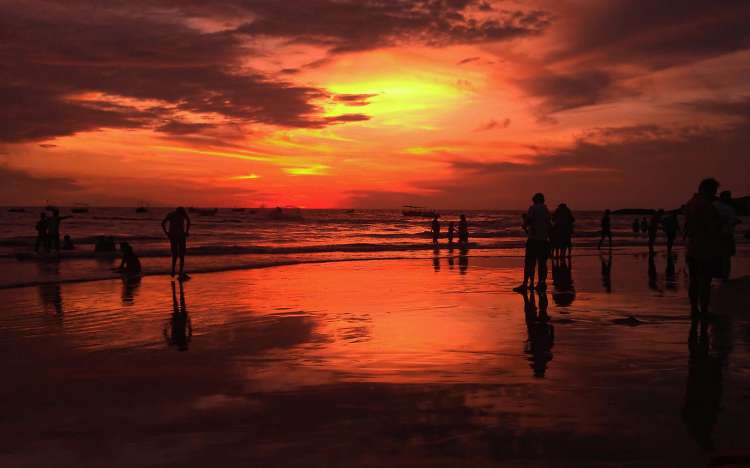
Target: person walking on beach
729,220
53,230
178,232
451,231
671,227
703,233
463,231
435,229
537,225
42,239
563,230
653,229
606,230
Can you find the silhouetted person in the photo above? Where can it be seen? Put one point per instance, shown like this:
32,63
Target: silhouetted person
463,230
729,220
563,230
537,224
178,232
541,334
653,228
653,277
67,243
180,329
606,232
564,292
671,227
53,230
130,266
644,225
463,260
435,229
636,226
451,231
703,232
606,272
42,239
670,276
104,244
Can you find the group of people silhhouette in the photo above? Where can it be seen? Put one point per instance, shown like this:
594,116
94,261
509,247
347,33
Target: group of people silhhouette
463,231
176,226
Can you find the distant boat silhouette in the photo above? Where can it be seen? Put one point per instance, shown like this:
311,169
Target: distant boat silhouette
141,209
80,208
285,213
418,211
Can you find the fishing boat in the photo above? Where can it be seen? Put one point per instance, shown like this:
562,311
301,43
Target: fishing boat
418,211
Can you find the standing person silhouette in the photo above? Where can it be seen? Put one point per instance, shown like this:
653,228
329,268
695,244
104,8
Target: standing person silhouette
671,227
537,225
606,230
53,230
451,231
729,220
463,231
703,232
179,230
435,229
563,220
653,229
41,233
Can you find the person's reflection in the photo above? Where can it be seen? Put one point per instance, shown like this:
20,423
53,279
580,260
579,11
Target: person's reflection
670,277
653,277
564,292
541,334
704,381
451,260
179,330
463,260
129,290
436,259
606,272
51,296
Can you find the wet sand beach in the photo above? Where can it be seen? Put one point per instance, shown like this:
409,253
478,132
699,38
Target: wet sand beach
412,362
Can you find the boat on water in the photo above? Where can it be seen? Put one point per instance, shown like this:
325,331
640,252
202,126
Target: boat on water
80,209
286,213
418,211
141,209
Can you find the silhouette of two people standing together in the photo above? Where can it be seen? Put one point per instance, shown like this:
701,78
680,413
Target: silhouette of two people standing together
48,233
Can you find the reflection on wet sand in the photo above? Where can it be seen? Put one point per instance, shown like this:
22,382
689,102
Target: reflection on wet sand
51,296
564,292
179,329
463,260
540,333
130,290
653,277
606,266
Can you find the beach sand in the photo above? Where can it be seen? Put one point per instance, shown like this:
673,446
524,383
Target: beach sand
375,363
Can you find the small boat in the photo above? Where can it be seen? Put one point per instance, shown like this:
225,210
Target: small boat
286,213
418,211
141,209
79,209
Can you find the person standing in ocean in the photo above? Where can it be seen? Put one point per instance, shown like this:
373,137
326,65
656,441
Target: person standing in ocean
435,229
179,230
463,231
653,229
606,230
671,227
537,225
563,230
53,230
451,232
703,232
41,233
729,220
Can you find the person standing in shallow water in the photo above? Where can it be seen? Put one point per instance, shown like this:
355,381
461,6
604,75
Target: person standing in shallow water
653,229
178,232
41,234
729,220
435,229
463,231
451,232
606,230
703,233
537,225
671,227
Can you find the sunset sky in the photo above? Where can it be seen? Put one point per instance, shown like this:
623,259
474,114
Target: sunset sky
359,103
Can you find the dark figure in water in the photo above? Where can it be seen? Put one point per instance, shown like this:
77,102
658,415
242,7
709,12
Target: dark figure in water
537,223
644,225
178,232
653,277
463,230
435,229
564,292
53,230
703,232
179,331
130,266
653,229
451,232
636,226
729,220
541,334
463,260
671,227
67,243
606,271
562,221
41,233
606,230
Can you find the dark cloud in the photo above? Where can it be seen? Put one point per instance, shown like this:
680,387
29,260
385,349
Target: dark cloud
353,99
739,107
20,187
468,60
347,118
177,127
494,125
